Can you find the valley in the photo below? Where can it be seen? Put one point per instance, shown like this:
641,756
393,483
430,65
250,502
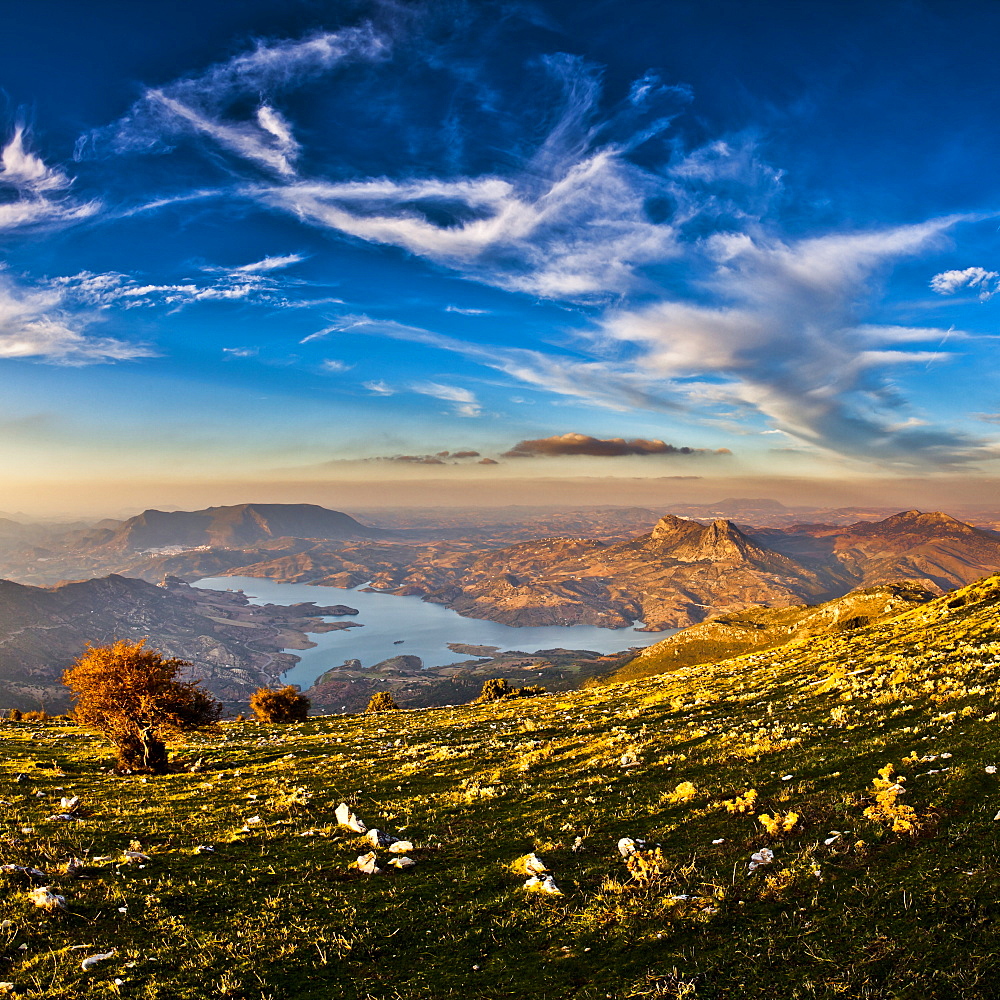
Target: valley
724,584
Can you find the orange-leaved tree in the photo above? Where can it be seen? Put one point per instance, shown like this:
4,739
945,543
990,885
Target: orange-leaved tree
129,693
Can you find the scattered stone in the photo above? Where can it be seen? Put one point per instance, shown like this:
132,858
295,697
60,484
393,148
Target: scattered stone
347,818
21,870
45,899
379,838
88,963
400,847
402,863
529,864
368,863
762,857
544,884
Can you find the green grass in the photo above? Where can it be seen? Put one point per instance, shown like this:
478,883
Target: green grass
276,911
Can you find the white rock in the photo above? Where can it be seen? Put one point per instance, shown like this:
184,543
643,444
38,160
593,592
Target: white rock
45,899
88,963
368,863
402,863
135,857
545,884
763,857
400,847
347,818
534,865
379,838
626,847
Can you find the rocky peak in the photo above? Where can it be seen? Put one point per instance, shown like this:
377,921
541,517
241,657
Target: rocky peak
690,541
931,523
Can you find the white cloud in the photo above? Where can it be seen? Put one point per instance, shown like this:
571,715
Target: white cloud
334,366
450,393
40,190
603,383
783,339
467,312
34,323
26,171
113,288
379,388
269,264
203,105
466,404
949,282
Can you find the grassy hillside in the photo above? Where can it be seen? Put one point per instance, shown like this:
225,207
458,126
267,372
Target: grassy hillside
758,629
872,892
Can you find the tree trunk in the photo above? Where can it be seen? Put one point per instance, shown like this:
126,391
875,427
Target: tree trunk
154,751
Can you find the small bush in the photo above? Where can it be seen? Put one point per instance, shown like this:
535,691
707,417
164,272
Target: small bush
240,718
497,689
285,705
15,715
33,716
382,701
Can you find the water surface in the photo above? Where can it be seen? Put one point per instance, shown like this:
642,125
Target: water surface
426,629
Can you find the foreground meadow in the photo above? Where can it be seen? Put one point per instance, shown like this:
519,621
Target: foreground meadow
815,821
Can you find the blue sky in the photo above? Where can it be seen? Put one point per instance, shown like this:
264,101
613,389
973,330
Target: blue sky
322,241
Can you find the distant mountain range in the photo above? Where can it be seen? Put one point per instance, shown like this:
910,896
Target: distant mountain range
680,572
684,571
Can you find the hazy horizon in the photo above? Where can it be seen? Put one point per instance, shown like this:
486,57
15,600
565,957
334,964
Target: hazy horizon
94,502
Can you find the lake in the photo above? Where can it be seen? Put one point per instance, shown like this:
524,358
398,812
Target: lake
426,629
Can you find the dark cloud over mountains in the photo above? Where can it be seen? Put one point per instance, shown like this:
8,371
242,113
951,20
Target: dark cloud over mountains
583,444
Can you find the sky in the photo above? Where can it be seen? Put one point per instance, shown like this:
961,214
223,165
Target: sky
497,251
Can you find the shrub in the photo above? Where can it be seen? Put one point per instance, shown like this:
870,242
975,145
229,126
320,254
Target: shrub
130,695
382,701
284,705
494,689
15,715
36,716
497,689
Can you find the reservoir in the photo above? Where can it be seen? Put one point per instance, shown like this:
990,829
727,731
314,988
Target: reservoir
426,629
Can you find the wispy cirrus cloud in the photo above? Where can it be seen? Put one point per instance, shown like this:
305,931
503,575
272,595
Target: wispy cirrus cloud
783,338
569,222
36,323
102,291
466,404
610,384
263,266
38,193
202,106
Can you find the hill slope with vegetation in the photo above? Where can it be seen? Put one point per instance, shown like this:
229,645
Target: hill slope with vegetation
812,821
757,629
